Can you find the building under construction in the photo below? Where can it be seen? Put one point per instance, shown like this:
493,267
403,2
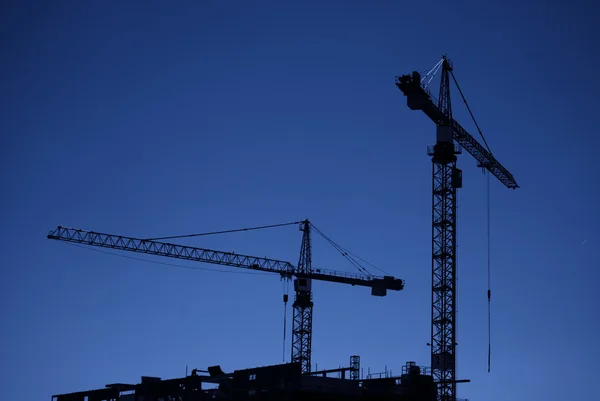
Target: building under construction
277,382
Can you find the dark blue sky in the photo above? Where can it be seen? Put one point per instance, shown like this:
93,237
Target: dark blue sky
147,119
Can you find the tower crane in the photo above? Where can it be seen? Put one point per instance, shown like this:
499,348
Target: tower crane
303,273
447,178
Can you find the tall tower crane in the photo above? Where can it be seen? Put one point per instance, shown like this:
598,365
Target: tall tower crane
303,274
447,178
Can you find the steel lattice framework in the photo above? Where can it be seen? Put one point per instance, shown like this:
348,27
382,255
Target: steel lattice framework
443,278
176,251
355,365
303,305
446,179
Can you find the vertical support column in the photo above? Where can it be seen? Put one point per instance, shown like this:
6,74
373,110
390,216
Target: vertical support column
443,277
303,305
446,179
355,367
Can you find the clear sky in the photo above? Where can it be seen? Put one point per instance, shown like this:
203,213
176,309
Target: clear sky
147,119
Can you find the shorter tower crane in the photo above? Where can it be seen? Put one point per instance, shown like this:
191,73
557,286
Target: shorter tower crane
303,274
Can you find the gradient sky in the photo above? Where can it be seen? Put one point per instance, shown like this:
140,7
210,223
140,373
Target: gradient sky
147,119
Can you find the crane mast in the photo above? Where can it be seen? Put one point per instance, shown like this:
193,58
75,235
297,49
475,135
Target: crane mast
303,273
303,305
447,178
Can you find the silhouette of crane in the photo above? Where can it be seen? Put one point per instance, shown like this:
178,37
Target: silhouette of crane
303,273
447,178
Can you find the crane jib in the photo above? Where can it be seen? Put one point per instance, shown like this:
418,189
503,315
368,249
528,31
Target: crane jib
419,98
378,285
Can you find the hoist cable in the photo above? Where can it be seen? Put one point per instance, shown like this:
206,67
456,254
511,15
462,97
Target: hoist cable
489,280
341,251
470,112
438,66
347,254
222,232
365,261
